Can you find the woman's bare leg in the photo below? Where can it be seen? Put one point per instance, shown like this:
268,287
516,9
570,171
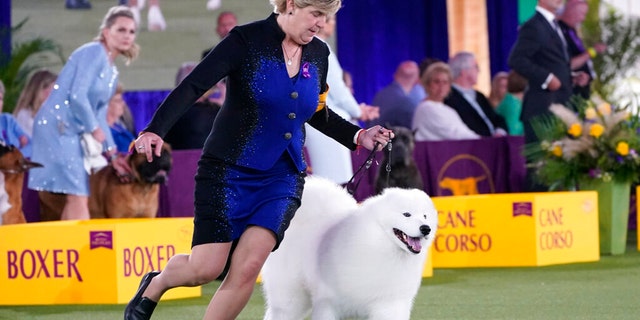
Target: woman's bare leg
75,208
254,246
205,263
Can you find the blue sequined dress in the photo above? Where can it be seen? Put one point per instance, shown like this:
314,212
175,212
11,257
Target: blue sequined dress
77,104
252,169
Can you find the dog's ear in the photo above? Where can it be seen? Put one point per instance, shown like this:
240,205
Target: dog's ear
28,164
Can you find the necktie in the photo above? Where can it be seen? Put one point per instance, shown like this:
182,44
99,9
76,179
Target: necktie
556,26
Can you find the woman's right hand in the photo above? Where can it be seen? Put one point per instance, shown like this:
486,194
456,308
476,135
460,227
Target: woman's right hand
148,143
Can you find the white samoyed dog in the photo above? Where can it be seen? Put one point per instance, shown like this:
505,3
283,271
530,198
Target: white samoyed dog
341,259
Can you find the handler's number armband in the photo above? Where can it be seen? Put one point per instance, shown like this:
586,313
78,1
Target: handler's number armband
322,100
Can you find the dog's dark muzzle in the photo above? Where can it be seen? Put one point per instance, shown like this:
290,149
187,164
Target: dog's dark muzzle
160,177
157,170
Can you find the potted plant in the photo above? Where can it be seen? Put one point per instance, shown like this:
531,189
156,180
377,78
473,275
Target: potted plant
595,148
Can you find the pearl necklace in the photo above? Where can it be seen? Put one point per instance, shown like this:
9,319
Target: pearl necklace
289,62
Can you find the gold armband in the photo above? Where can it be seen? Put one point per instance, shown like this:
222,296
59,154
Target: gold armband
322,100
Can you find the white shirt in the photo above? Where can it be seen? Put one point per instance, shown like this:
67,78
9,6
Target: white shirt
340,99
434,121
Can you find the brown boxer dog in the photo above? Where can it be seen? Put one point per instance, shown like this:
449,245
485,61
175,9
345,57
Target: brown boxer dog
13,165
112,198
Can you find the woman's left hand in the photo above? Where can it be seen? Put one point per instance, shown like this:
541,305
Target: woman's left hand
149,143
373,135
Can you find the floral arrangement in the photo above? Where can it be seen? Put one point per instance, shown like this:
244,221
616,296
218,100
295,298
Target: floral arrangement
599,141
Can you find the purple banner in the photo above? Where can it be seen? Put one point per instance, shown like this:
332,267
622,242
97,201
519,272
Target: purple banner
490,165
100,239
522,209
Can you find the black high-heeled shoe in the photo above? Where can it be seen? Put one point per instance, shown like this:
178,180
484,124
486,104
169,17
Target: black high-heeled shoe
141,308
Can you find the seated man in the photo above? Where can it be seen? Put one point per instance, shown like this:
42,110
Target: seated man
398,100
472,106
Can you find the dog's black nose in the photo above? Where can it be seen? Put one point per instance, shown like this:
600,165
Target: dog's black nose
425,229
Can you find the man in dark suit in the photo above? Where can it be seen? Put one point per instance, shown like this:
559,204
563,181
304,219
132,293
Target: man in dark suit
541,56
472,106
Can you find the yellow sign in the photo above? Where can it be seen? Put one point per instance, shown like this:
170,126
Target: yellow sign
518,229
88,262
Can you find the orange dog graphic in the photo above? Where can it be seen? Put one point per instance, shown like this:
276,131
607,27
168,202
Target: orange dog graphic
462,187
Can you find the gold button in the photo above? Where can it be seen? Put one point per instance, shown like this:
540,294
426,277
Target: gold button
292,115
294,95
287,135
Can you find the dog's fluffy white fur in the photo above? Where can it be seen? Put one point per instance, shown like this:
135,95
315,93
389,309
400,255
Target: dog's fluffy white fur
342,259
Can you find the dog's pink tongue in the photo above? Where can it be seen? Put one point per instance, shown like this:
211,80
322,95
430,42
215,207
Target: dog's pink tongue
414,243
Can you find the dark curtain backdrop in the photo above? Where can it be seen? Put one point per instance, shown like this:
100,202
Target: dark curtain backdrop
502,17
373,37
5,28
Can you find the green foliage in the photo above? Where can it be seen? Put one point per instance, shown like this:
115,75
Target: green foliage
617,66
27,56
598,142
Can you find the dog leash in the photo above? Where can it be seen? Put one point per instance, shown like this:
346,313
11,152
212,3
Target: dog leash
351,188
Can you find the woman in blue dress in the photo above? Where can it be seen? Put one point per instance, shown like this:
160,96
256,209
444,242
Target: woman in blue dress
77,105
251,174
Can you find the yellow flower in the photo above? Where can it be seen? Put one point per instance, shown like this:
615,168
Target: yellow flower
575,130
590,113
622,148
557,150
596,130
604,109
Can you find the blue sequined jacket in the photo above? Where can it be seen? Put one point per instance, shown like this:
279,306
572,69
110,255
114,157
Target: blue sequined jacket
265,110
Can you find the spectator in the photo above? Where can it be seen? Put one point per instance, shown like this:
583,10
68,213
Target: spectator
398,100
122,137
472,106
10,131
511,106
34,93
498,88
77,107
225,22
193,127
348,80
433,119
574,13
155,19
328,158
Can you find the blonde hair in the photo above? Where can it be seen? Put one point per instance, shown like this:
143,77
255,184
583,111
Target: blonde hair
329,7
432,69
108,21
30,96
